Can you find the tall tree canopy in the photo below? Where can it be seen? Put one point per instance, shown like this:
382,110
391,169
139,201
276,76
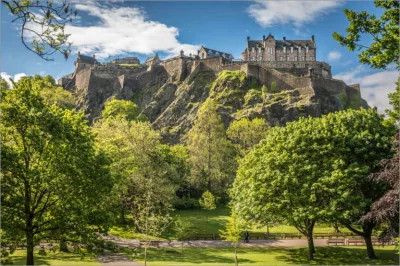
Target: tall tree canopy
42,25
383,32
211,155
247,133
53,178
311,170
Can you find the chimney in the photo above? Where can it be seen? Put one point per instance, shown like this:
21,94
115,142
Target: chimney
284,38
181,53
248,38
94,56
79,53
263,37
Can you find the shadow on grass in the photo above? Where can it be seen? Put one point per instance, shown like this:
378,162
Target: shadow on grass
338,256
19,258
193,255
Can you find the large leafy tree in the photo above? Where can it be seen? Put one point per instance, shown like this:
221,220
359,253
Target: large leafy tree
42,25
211,155
53,178
138,157
394,100
312,169
382,32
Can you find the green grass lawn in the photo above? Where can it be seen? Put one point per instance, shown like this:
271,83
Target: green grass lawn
210,222
265,256
58,258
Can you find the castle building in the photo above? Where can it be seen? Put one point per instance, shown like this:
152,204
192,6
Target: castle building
269,49
152,60
126,60
84,61
204,53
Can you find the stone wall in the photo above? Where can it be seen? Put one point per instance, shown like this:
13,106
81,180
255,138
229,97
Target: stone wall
284,81
177,67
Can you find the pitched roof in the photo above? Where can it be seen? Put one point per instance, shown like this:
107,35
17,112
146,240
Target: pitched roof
281,43
151,58
226,55
87,59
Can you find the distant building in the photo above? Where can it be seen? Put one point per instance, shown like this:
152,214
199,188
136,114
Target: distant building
84,61
204,53
269,49
126,60
153,60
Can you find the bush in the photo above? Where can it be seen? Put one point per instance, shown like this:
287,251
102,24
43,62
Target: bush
186,203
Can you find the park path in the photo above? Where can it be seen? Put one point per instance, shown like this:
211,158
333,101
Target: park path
132,243
115,259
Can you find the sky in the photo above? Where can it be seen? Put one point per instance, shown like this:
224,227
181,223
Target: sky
112,29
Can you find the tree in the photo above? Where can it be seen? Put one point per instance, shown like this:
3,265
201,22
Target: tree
394,100
53,178
114,108
383,32
208,201
311,170
386,208
137,156
246,134
183,230
211,155
232,233
42,25
3,84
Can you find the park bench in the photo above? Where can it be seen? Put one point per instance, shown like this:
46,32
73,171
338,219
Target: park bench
336,241
355,241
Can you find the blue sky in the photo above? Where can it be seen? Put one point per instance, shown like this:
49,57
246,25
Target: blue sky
110,29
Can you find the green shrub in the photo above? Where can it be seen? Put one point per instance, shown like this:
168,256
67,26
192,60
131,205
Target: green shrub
186,203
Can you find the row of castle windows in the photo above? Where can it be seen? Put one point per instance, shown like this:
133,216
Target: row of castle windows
281,58
270,50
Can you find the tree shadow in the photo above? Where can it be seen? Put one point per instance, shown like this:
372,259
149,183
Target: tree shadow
338,256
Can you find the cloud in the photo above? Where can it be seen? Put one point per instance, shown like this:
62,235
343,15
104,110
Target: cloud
122,30
375,87
334,55
269,13
16,77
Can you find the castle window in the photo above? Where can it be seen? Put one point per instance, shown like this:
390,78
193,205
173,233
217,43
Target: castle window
253,50
253,58
270,51
299,49
288,58
302,58
284,49
306,49
281,58
311,58
260,58
202,55
259,49
295,58
291,49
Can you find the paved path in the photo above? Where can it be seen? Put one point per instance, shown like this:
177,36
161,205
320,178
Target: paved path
131,243
114,259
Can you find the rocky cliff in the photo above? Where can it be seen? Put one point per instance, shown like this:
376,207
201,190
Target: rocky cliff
171,103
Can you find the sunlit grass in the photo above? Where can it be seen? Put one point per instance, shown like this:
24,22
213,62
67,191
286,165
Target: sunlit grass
57,258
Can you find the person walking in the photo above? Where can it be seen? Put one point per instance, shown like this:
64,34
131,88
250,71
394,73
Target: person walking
246,236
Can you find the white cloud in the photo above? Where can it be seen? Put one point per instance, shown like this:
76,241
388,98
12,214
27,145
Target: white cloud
124,30
375,87
334,55
16,77
269,13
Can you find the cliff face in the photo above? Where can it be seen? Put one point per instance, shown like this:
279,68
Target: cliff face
171,101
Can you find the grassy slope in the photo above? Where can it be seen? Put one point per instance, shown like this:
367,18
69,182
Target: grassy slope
19,258
211,221
266,256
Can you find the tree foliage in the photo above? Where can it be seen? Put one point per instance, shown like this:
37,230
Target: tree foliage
43,25
53,178
383,33
246,134
394,100
114,108
311,170
208,201
211,155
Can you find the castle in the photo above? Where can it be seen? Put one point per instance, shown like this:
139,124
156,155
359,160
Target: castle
289,63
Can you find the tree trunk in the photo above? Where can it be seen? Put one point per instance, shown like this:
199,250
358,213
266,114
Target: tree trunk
370,248
236,259
267,229
29,247
311,249
122,219
145,255
63,245
182,248
336,227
